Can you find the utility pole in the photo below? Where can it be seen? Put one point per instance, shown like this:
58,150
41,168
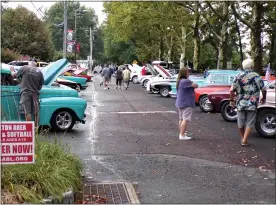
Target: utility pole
91,50
75,36
65,29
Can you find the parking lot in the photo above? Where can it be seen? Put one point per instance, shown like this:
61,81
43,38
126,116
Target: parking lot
131,135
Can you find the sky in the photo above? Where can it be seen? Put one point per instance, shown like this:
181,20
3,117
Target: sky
36,5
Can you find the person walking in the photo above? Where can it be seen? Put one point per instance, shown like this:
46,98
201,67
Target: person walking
119,78
126,77
247,85
185,101
106,77
31,81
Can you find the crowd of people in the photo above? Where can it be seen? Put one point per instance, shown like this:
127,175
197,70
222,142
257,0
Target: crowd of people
121,73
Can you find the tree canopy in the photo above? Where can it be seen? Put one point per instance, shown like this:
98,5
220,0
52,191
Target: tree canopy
210,34
24,33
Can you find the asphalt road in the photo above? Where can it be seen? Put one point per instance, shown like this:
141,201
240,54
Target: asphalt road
132,136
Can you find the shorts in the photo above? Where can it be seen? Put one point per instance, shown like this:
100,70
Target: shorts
185,113
246,118
29,103
106,79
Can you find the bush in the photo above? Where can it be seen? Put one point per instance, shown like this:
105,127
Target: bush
54,172
8,55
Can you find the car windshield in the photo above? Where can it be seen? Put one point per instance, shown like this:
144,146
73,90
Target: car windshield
21,63
220,78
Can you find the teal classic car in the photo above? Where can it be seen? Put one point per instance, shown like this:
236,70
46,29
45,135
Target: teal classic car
214,77
79,80
60,106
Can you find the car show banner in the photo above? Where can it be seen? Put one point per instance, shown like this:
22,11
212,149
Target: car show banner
17,143
70,41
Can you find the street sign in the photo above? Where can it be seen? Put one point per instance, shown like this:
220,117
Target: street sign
17,143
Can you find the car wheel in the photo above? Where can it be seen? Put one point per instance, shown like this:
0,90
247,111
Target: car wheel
145,82
62,120
164,91
135,79
266,123
78,88
228,113
204,106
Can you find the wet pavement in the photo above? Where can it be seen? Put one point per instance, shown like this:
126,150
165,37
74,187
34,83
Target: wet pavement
132,136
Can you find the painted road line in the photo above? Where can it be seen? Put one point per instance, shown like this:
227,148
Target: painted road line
142,112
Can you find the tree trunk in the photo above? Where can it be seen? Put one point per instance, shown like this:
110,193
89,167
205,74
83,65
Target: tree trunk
222,60
196,40
170,46
183,46
161,49
240,43
256,44
272,51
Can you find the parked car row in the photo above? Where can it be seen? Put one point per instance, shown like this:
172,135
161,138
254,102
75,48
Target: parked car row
61,105
213,94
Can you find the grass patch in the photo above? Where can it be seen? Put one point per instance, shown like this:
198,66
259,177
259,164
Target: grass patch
55,170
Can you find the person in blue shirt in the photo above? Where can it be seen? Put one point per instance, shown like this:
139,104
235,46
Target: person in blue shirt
185,101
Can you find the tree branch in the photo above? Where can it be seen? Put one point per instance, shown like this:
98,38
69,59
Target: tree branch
240,18
184,4
214,10
210,26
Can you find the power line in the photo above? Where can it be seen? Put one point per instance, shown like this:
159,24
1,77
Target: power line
37,9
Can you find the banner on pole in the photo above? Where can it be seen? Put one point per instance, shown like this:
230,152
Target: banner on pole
70,35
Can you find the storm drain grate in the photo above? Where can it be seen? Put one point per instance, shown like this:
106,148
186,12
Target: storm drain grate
109,193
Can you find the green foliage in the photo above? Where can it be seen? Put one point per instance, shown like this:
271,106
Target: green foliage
207,57
85,20
54,172
146,25
23,32
8,55
59,55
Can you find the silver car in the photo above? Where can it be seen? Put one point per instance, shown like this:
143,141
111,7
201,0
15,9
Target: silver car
266,115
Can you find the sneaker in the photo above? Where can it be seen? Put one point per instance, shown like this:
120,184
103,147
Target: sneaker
105,88
108,88
184,137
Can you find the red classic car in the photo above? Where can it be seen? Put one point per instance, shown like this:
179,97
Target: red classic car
201,95
82,72
266,115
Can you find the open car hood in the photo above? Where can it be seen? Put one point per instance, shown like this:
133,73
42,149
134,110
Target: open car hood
151,69
162,71
53,70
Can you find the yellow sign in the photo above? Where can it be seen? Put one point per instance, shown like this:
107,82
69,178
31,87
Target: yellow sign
135,62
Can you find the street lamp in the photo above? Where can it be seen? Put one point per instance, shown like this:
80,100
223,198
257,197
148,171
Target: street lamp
76,11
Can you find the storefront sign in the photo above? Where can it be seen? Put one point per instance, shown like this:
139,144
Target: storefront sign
17,143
